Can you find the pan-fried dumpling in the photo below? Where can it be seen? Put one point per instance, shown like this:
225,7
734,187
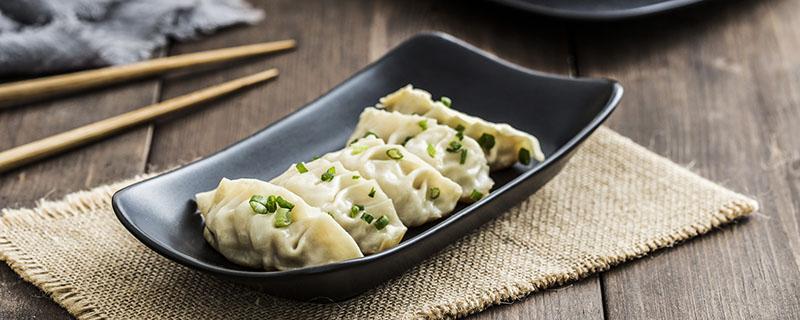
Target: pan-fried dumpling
420,193
503,144
345,195
457,157
260,225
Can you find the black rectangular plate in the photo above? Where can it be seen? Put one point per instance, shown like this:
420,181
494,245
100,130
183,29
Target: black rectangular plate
560,111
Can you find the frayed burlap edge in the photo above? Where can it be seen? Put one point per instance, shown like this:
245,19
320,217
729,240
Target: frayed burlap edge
85,202
79,203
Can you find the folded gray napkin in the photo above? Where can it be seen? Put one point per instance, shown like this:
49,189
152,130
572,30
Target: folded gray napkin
45,36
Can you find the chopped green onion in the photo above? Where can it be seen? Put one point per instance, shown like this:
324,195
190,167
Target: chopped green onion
358,149
259,198
447,102
301,167
355,209
382,222
460,132
372,192
475,195
463,156
423,124
315,158
283,218
406,141
258,204
454,146
524,156
367,217
394,153
272,204
433,193
283,203
329,174
356,177
431,151
370,133
486,141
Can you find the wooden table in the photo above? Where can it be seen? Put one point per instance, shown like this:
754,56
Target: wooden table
715,87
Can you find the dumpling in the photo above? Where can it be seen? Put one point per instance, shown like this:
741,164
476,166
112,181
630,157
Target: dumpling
345,195
457,157
503,144
419,193
260,225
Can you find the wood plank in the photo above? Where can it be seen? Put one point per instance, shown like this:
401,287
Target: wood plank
336,41
109,160
715,88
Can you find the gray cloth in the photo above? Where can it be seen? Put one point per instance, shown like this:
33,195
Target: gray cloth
45,36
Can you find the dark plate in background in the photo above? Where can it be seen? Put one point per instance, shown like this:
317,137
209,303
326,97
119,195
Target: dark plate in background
560,111
597,9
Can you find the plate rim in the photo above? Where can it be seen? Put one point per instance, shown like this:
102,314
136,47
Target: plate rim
569,146
604,15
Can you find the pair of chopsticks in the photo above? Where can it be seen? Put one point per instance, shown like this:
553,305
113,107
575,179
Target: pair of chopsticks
37,88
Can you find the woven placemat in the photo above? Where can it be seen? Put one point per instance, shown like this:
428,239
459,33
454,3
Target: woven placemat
613,202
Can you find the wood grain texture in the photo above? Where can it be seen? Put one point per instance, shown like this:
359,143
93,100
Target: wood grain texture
716,89
102,162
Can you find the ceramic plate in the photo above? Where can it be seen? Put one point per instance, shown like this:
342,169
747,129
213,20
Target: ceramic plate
598,9
560,111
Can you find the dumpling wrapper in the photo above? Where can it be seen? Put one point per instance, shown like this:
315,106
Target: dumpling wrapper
337,197
508,141
396,128
407,181
250,239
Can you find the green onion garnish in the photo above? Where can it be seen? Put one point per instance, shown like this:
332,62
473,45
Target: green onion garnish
460,132
358,149
486,141
301,167
329,174
367,217
315,158
423,124
259,204
433,193
372,192
356,177
454,146
382,222
463,156
283,218
272,204
406,141
355,209
524,156
475,195
370,133
394,153
431,151
447,102
283,203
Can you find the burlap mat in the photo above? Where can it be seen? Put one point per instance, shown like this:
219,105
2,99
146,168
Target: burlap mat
615,201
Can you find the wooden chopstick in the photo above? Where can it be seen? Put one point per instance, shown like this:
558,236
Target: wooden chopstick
28,90
23,154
